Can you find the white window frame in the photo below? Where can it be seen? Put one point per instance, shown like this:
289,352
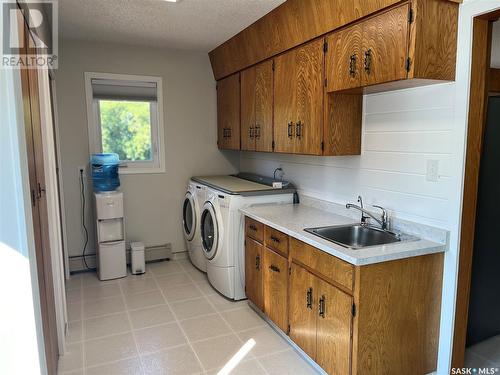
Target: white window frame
157,165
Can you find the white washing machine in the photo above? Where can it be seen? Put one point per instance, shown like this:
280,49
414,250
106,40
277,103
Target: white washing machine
222,235
191,212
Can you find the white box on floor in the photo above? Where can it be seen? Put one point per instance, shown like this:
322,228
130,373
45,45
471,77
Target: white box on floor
138,263
112,260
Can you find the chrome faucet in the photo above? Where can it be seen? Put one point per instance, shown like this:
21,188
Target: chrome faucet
365,215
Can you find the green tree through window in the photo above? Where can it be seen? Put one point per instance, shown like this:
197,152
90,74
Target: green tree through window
126,129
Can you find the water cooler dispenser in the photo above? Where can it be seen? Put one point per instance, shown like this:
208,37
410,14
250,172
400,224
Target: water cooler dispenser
110,222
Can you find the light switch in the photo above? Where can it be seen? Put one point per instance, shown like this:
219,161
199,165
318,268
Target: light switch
432,170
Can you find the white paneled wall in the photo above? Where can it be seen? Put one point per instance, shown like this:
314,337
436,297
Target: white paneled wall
402,131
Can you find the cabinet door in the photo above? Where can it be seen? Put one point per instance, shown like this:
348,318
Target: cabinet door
264,106
275,280
343,59
385,47
285,101
334,327
248,109
253,271
228,112
309,91
303,309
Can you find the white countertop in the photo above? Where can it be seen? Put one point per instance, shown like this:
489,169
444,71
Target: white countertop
293,219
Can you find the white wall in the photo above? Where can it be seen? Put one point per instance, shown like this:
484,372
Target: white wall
21,343
153,201
401,131
495,45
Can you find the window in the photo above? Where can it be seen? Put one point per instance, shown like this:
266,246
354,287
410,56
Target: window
125,117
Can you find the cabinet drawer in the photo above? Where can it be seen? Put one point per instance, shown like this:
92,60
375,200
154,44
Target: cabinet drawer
254,229
322,263
276,240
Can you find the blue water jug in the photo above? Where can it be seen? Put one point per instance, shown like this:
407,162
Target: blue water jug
105,172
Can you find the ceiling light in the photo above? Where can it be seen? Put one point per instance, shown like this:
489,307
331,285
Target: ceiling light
173,1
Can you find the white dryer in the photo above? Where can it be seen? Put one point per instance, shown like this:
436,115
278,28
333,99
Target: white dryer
191,212
222,235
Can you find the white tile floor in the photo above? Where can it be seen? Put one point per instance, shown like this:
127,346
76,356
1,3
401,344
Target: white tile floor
484,354
168,321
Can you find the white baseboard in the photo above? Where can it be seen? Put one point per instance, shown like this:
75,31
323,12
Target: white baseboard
152,254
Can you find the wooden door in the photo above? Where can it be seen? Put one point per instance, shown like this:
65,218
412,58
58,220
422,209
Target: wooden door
303,309
309,89
248,97
275,288
343,59
285,102
253,271
264,106
385,46
228,112
34,148
334,328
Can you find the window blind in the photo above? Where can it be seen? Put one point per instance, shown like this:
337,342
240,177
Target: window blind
124,90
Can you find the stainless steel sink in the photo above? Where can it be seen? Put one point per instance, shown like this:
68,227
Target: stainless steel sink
357,236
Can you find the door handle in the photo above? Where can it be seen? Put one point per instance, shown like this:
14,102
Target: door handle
309,298
290,129
298,131
321,307
352,65
257,262
368,61
274,268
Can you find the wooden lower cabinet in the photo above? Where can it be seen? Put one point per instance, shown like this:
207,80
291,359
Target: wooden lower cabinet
253,271
275,288
380,318
321,320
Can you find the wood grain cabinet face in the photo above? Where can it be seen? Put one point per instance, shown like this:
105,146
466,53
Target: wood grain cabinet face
334,327
385,46
302,310
228,112
298,98
275,288
343,59
257,108
253,271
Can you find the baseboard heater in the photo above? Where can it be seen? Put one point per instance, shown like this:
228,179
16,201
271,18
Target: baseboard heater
152,254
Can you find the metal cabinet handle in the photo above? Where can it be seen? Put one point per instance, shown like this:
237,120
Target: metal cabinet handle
321,307
298,131
352,65
251,132
257,131
368,61
290,129
275,239
229,131
274,268
253,227
309,297
257,262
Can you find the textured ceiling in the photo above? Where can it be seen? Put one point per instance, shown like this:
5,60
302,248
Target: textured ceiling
191,24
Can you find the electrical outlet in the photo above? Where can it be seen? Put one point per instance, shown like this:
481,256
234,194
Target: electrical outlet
432,170
81,169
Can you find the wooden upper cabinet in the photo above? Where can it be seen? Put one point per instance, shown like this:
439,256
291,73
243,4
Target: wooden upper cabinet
343,59
264,106
257,108
298,98
253,272
334,327
228,112
385,46
248,109
275,288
